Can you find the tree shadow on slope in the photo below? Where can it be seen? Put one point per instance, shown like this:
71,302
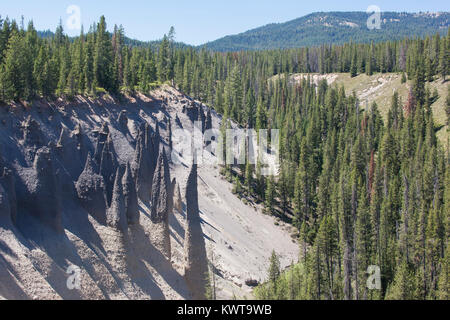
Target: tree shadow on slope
9,288
146,251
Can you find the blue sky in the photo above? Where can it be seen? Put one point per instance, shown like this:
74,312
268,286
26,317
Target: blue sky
195,21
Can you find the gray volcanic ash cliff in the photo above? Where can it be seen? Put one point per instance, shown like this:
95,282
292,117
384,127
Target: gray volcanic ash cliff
90,207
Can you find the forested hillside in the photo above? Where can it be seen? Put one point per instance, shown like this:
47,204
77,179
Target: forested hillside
360,190
321,28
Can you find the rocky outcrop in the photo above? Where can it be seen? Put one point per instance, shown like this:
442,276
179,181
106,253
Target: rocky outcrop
116,216
195,258
8,183
91,191
130,195
161,202
45,196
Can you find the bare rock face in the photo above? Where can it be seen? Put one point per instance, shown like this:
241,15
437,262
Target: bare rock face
142,166
177,200
81,142
161,194
91,191
161,189
144,163
8,183
45,196
116,216
155,143
32,135
201,118
208,123
178,121
63,137
122,120
195,258
68,152
101,140
130,195
195,113
5,211
108,165
190,111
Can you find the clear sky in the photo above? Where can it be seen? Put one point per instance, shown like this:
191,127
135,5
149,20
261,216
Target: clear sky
195,21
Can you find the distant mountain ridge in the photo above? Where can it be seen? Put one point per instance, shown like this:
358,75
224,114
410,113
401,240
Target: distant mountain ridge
333,28
319,28
127,41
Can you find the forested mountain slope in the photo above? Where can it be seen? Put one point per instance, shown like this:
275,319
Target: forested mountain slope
333,28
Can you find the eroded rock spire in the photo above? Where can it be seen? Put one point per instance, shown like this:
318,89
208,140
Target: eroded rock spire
142,166
144,163
161,202
117,217
101,140
45,196
108,165
130,195
91,191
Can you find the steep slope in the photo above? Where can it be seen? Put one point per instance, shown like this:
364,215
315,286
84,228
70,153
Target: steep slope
333,28
79,151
